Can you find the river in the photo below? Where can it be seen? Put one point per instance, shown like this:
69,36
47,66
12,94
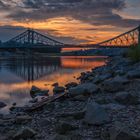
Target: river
18,74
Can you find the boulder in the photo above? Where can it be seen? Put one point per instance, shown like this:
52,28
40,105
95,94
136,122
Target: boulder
33,100
79,98
75,114
96,114
55,84
100,78
67,137
44,122
122,134
113,107
133,74
60,137
35,91
24,133
115,84
104,100
14,104
70,85
64,127
2,105
58,89
86,88
23,119
127,98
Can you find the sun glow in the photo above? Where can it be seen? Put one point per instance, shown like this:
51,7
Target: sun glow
65,27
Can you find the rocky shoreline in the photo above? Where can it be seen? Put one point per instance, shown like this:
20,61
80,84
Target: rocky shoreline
104,106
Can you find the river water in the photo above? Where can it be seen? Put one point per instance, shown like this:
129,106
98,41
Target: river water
18,74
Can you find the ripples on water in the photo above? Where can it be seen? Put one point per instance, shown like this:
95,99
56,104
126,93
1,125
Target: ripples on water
19,73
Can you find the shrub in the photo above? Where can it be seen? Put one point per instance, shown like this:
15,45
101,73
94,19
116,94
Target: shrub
134,53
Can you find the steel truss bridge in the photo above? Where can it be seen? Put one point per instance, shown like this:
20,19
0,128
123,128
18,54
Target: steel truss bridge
33,39
127,39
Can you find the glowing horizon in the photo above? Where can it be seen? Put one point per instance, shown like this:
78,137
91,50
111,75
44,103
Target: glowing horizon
99,21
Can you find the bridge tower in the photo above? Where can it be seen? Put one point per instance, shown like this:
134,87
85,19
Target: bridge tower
32,38
30,34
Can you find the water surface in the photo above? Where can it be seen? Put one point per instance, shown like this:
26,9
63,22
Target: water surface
18,74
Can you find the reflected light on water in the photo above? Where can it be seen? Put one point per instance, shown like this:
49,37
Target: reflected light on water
17,75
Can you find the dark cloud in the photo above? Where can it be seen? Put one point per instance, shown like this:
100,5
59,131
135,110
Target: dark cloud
97,12
7,32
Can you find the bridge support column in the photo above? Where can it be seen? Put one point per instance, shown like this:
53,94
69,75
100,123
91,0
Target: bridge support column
139,35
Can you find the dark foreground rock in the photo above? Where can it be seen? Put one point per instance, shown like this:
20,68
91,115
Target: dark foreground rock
127,98
96,114
24,133
86,88
115,84
64,127
2,105
58,89
35,91
70,85
119,133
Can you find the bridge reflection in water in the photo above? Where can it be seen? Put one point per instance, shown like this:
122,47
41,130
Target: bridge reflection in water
32,68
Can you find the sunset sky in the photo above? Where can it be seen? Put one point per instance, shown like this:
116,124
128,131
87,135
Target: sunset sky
69,21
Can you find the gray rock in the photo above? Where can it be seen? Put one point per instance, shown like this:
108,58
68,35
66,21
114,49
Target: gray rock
58,89
133,74
3,137
122,134
101,78
14,104
96,114
115,84
33,100
127,98
104,100
44,122
60,137
70,85
64,127
2,105
113,106
23,119
67,137
75,114
86,88
79,98
24,133
35,90
8,116
55,84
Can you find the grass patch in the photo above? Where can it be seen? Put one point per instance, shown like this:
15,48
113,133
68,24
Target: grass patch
134,53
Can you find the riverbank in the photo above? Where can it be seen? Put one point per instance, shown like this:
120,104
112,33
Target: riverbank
104,106
89,52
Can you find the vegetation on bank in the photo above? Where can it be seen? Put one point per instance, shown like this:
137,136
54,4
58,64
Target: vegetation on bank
134,53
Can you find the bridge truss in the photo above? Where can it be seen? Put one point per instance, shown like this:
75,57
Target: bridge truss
127,39
32,37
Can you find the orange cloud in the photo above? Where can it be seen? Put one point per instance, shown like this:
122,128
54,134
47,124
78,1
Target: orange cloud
71,28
